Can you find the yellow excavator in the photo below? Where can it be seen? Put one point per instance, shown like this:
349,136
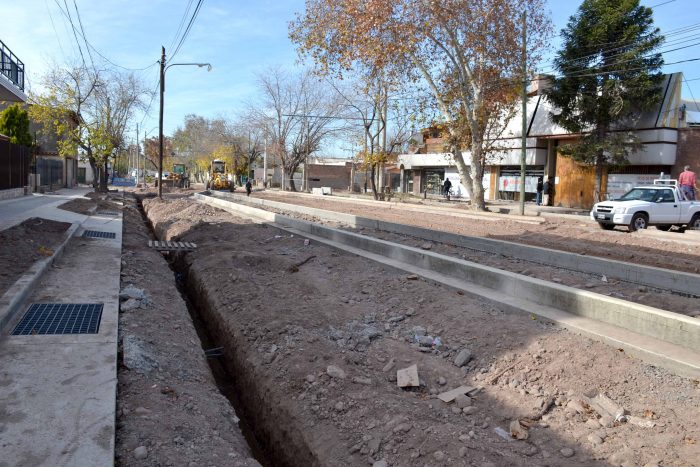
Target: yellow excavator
179,176
219,178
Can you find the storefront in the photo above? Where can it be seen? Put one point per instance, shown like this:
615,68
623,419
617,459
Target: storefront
509,182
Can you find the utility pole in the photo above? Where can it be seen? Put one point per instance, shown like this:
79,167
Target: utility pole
160,124
265,164
524,129
138,154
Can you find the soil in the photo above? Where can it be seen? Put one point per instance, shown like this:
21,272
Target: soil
95,202
315,336
24,244
168,400
556,232
643,294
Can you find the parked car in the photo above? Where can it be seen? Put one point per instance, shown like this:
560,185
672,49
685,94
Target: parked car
662,205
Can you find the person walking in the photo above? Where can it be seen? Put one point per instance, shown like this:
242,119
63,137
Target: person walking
540,187
446,188
688,183
248,187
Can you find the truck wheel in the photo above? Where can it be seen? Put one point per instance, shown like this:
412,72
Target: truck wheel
694,222
664,228
639,222
606,226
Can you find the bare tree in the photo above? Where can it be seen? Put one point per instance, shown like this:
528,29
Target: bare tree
368,103
298,113
89,111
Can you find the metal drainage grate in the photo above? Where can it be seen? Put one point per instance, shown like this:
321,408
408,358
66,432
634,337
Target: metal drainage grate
107,213
60,318
99,234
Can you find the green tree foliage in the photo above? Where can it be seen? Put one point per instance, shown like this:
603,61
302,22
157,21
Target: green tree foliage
610,74
14,122
89,112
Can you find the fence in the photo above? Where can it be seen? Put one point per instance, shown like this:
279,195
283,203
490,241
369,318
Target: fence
14,165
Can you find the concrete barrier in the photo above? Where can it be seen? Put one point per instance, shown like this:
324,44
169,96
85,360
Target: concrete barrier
676,281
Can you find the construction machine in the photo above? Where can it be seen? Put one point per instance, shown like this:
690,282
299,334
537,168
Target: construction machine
219,178
179,176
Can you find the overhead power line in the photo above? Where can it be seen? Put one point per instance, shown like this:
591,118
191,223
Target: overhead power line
89,45
625,44
182,23
187,29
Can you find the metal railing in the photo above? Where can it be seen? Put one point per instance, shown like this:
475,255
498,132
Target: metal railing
11,66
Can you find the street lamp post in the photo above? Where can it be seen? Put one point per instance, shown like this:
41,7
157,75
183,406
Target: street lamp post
163,69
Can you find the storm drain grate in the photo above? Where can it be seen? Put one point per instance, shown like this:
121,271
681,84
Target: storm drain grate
107,213
99,234
60,318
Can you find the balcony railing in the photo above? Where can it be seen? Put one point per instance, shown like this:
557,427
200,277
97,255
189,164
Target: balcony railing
11,66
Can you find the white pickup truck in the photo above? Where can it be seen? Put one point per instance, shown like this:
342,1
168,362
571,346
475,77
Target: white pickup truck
661,204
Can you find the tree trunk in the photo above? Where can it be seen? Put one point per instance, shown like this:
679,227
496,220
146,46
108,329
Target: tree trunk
95,174
103,179
374,185
477,171
597,188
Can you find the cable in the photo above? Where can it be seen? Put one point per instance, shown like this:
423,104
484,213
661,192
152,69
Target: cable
70,20
691,95
182,23
187,30
90,46
678,41
60,45
627,44
82,32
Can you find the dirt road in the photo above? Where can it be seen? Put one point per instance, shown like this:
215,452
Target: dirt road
315,338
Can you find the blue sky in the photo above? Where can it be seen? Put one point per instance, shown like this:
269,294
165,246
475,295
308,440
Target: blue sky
239,38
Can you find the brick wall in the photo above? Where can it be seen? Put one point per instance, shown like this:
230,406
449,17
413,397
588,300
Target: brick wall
688,151
334,176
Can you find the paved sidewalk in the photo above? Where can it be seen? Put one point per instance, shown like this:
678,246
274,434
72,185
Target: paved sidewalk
58,392
16,210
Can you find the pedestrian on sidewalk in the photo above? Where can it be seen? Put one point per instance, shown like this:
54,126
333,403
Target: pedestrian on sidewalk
540,187
248,187
446,187
688,183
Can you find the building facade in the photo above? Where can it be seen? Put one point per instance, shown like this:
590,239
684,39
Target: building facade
658,130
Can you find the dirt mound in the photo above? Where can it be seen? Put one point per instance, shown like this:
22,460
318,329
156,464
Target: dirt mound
316,353
169,410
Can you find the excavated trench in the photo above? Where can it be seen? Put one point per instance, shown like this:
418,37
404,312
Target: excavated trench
269,431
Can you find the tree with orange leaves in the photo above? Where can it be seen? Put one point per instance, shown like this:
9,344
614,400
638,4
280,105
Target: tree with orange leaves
464,52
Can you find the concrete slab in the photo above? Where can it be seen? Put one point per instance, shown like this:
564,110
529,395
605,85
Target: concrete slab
58,393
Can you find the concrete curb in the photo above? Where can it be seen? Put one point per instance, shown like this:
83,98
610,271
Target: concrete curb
18,292
658,278
659,337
